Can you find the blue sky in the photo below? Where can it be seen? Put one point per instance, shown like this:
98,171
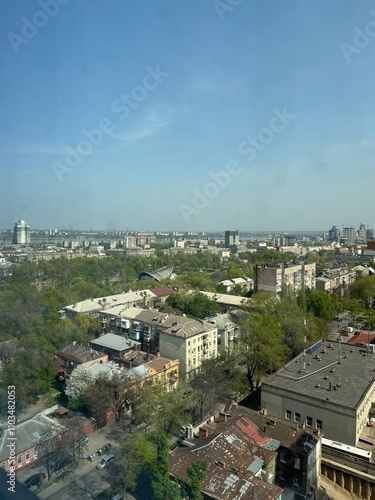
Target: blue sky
222,75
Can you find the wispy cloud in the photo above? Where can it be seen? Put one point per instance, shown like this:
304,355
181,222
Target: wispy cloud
32,148
217,82
150,126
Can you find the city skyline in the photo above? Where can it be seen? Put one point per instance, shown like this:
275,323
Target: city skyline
115,116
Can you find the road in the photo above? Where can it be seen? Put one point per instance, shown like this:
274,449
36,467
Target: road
86,482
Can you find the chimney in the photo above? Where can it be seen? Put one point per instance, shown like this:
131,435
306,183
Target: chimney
223,417
203,433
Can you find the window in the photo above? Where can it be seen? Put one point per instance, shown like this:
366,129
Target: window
297,417
288,414
319,424
35,452
296,481
282,457
27,455
297,463
19,459
309,421
281,475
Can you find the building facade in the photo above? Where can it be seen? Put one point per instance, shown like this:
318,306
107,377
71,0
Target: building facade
271,278
21,233
231,238
329,387
191,342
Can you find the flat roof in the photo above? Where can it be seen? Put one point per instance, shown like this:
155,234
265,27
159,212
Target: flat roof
226,299
318,374
109,301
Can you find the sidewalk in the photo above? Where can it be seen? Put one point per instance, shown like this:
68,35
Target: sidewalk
96,441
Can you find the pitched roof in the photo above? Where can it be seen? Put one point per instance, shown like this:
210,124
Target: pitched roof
362,339
78,353
116,342
233,460
30,433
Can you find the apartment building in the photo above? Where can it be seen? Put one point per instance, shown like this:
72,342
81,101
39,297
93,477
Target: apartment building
94,306
190,341
174,337
271,278
331,387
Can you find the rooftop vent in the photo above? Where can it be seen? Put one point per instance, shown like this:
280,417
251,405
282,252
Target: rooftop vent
332,370
325,377
317,386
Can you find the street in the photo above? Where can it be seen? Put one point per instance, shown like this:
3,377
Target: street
84,484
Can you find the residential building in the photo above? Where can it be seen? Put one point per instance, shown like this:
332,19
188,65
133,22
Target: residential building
21,233
188,340
228,302
348,235
72,355
114,345
330,386
296,467
227,328
231,238
159,371
156,370
334,234
337,278
244,282
271,278
28,436
94,306
237,466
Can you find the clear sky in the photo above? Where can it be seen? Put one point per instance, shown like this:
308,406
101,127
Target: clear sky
167,95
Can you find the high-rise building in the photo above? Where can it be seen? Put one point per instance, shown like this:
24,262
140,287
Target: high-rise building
349,235
334,234
21,234
231,238
362,232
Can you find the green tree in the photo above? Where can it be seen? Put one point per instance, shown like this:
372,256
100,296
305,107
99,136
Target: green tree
261,347
138,455
163,486
321,304
197,471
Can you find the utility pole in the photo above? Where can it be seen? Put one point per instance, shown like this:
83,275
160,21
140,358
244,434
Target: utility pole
370,300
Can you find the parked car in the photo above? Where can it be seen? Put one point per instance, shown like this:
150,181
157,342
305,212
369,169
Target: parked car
105,461
35,480
82,442
61,463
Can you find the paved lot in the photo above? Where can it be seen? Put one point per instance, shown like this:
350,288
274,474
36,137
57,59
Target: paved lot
96,441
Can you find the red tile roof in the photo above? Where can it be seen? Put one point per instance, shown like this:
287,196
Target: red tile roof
362,339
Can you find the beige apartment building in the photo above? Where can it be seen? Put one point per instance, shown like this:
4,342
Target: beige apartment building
271,278
190,341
